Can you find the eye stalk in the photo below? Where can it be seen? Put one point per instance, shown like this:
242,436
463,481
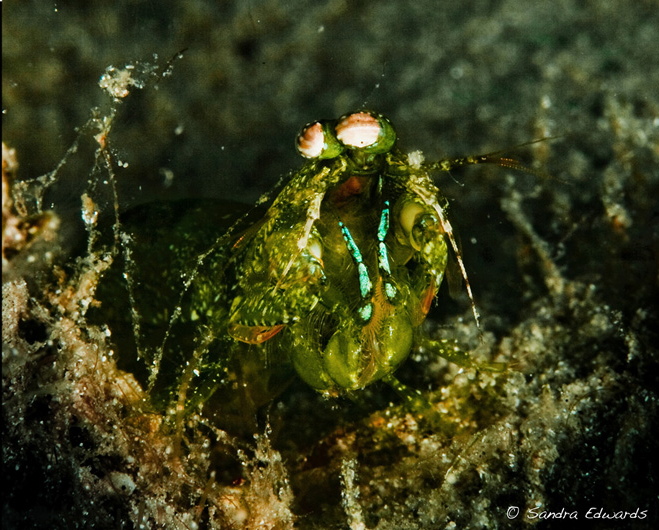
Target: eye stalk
367,131
317,140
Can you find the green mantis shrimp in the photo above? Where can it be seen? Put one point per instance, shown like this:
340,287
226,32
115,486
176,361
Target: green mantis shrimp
334,279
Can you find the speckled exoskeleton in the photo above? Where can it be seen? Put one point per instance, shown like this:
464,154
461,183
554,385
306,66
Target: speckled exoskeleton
333,279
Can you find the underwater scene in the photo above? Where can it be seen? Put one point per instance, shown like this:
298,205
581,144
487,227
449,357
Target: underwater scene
322,265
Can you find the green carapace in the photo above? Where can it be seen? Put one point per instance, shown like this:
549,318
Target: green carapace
330,278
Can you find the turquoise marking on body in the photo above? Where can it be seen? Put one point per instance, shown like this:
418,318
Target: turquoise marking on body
365,284
352,246
366,311
383,258
390,290
384,222
364,281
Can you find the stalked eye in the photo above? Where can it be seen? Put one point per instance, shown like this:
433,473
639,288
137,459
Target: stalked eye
317,141
367,131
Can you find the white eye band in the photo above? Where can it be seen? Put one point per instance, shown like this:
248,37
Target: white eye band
311,142
358,130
